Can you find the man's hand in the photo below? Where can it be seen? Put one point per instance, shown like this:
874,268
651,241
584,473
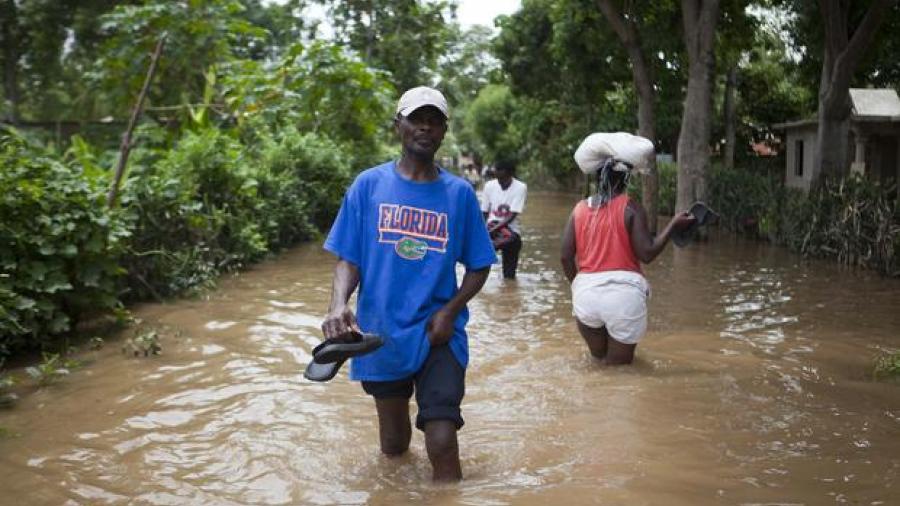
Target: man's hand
340,323
440,327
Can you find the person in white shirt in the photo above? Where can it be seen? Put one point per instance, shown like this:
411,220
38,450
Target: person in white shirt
503,200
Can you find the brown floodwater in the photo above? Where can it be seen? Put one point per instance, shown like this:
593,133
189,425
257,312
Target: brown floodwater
753,386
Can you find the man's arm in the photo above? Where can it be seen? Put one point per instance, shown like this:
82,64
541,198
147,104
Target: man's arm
567,252
440,327
502,222
340,319
516,207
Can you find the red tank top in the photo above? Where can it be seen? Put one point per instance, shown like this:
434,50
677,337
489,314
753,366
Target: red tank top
602,242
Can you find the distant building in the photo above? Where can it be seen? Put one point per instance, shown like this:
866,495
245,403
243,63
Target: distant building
874,140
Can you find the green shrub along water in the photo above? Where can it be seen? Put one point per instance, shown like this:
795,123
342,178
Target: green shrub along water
256,160
59,245
206,205
853,220
668,177
209,200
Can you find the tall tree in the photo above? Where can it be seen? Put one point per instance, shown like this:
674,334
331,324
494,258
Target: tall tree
466,68
566,69
404,37
771,88
41,40
729,114
845,46
201,35
736,32
10,39
627,22
700,18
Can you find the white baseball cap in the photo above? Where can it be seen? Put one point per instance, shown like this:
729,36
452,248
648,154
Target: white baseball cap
421,96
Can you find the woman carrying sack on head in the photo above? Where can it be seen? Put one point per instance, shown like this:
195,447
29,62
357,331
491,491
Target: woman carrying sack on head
604,243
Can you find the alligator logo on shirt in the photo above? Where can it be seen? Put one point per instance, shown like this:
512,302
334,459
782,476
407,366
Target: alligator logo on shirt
413,231
411,249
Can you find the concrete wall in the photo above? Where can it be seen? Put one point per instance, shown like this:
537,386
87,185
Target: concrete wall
807,135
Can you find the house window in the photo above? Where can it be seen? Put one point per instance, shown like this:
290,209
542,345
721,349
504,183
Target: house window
798,158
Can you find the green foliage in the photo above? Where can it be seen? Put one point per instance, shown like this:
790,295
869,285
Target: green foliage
406,38
43,32
853,220
489,118
571,77
319,89
50,370
200,34
467,65
192,216
668,177
805,29
858,222
744,197
58,244
887,365
303,177
7,398
213,204
770,89
144,343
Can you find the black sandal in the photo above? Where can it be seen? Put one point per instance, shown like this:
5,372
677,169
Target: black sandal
330,354
704,215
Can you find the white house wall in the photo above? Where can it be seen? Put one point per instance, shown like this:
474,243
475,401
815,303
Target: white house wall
808,136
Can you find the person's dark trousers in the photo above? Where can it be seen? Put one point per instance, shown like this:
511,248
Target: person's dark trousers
510,252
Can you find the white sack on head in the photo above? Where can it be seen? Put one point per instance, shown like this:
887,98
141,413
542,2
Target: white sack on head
622,146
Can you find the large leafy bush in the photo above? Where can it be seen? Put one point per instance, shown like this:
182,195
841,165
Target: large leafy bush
192,212
302,180
58,244
853,220
213,204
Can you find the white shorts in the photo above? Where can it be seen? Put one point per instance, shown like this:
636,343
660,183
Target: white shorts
616,300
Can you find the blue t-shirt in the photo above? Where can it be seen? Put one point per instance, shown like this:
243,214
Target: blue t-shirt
406,238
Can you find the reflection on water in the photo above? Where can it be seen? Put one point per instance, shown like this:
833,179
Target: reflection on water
753,387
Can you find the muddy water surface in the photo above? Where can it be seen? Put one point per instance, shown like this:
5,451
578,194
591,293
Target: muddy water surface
753,386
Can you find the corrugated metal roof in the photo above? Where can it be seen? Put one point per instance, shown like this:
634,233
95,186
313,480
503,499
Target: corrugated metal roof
875,102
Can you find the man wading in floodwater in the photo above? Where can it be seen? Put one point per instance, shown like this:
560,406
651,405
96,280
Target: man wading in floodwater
399,234
503,202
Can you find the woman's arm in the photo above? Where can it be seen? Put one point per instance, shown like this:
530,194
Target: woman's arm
646,247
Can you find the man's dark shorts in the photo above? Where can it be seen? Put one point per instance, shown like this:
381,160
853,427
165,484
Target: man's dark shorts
440,385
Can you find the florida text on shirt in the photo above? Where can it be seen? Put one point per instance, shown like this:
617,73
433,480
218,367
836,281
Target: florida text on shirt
412,230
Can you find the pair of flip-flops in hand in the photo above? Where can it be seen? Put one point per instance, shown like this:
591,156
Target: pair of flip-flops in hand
703,216
330,354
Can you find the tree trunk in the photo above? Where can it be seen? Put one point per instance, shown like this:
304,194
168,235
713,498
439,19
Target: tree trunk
10,61
842,55
642,76
125,149
700,19
730,116
371,34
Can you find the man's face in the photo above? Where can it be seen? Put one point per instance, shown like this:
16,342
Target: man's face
503,175
422,132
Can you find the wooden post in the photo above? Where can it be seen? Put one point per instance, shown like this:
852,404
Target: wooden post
135,114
